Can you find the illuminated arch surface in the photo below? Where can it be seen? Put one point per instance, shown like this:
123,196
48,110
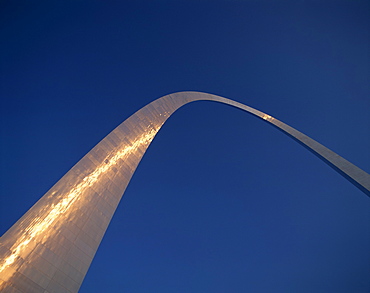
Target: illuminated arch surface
51,247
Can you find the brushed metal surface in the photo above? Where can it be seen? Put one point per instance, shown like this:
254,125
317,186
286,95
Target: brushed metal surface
51,247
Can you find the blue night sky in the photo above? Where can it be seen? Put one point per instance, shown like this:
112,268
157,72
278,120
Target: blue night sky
221,202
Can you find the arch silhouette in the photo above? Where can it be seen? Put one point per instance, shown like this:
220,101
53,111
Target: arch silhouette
51,247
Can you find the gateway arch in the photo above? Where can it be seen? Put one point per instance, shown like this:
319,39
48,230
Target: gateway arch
51,247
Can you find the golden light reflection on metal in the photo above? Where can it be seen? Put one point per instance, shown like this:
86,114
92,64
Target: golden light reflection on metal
53,245
38,225
267,117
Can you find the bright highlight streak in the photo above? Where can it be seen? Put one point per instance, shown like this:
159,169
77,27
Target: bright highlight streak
38,225
267,117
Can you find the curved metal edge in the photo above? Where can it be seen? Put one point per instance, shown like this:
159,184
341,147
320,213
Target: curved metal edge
51,247
351,172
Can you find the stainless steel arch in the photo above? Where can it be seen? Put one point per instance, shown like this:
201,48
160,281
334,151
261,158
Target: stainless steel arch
51,247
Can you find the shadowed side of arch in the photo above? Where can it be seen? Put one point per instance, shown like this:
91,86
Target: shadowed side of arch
51,247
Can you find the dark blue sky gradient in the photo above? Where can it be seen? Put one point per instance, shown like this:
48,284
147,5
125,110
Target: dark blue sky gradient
221,202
